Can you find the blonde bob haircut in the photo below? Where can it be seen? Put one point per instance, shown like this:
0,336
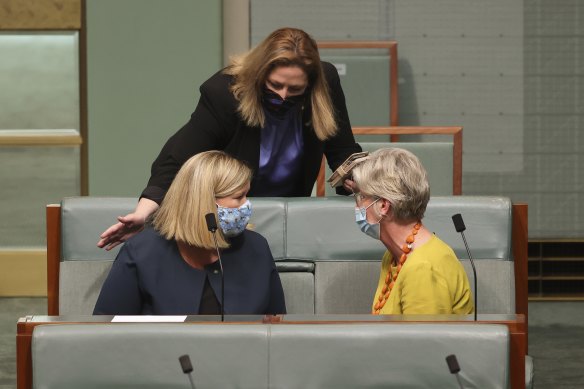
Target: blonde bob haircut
283,47
398,176
200,181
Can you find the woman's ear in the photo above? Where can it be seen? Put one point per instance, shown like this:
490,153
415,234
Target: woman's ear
385,207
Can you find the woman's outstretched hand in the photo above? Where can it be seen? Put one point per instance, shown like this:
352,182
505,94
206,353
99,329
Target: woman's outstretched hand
120,232
127,226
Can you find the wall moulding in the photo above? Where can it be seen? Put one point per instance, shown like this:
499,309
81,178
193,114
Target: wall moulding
40,14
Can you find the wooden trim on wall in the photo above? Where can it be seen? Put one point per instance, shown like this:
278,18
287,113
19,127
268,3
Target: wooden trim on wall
236,28
83,117
50,15
23,272
40,14
40,138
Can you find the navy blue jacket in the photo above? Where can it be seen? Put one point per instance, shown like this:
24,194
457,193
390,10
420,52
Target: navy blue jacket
150,277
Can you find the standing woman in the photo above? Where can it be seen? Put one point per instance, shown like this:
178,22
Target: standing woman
278,107
420,274
173,269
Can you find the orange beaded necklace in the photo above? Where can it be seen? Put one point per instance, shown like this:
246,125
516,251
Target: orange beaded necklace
390,279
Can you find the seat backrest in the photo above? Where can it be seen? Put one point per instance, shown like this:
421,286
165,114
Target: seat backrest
347,355
84,266
387,356
436,157
302,228
323,230
146,356
269,219
326,264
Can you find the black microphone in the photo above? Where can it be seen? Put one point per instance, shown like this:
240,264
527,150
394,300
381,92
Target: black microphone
211,222
212,226
460,227
187,367
454,367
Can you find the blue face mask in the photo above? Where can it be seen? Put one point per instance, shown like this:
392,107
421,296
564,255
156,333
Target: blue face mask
370,229
234,220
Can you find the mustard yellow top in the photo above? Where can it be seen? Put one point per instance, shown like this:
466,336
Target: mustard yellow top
431,281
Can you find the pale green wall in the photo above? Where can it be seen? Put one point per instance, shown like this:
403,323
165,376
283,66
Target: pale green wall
146,60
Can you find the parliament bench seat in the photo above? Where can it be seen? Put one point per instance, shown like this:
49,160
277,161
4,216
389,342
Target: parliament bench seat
255,355
326,264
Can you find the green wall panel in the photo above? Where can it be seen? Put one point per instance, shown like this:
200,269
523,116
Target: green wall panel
145,62
39,80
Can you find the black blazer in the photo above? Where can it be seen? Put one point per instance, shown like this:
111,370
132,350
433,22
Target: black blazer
149,277
216,125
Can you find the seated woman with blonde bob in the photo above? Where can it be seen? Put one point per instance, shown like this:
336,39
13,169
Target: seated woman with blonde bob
420,274
172,267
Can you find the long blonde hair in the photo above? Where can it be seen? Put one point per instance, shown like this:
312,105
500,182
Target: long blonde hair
200,181
283,47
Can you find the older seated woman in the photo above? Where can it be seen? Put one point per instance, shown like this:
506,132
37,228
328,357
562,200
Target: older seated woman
420,274
172,268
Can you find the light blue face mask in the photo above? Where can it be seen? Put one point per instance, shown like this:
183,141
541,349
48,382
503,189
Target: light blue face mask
234,220
370,229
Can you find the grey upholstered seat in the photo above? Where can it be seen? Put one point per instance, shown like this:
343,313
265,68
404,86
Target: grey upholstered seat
389,355
326,264
146,356
347,262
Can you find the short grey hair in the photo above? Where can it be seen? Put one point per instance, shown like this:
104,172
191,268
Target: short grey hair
398,176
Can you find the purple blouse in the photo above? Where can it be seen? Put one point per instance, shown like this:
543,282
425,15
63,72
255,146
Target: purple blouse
281,152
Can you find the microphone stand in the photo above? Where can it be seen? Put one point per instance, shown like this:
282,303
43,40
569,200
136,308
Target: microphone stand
212,226
460,227
222,279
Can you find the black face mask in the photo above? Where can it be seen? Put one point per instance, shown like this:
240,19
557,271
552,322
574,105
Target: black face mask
275,103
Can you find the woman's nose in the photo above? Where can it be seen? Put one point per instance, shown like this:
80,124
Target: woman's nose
283,93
